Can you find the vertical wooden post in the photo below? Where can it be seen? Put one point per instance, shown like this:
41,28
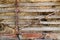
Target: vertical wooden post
16,19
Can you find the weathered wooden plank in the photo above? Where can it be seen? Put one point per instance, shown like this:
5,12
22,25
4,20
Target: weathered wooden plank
6,5
41,29
7,10
22,17
54,16
45,22
39,0
30,17
30,10
6,17
39,4
39,10
41,22
32,4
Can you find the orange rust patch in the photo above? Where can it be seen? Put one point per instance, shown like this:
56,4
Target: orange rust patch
32,35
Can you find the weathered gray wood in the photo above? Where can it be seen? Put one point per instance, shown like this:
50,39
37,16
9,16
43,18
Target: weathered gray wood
41,29
32,4
39,10
6,5
30,17
40,4
23,17
6,10
45,22
54,16
41,22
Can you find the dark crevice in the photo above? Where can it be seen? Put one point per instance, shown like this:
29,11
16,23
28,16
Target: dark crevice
44,20
53,6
